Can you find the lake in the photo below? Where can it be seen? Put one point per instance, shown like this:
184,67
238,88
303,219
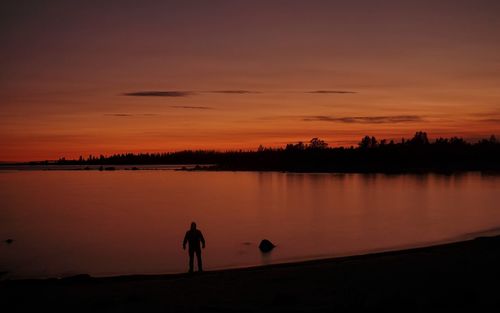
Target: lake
67,222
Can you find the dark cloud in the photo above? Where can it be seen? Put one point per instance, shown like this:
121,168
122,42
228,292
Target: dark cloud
366,119
176,93
156,93
191,107
130,114
331,91
491,120
486,114
118,114
234,91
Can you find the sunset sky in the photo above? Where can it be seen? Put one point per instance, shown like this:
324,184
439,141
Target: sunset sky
103,77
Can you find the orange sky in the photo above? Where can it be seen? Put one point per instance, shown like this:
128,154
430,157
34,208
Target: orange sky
231,75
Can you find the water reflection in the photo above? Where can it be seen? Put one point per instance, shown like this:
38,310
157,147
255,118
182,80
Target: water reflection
105,223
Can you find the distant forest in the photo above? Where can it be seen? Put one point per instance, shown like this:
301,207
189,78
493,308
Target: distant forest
417,154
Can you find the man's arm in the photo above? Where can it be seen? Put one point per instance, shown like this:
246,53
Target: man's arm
202,240
185,241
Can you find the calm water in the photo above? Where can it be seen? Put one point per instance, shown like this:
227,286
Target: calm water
129,222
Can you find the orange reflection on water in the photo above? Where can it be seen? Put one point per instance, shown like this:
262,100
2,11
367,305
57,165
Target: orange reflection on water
130,222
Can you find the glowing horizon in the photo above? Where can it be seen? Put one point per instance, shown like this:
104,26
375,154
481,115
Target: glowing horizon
80,78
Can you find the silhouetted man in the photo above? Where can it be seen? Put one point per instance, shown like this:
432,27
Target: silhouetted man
194,237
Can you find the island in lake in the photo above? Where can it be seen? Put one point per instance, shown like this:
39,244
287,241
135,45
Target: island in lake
418,154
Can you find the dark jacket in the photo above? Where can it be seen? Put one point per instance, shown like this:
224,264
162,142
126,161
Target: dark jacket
194,237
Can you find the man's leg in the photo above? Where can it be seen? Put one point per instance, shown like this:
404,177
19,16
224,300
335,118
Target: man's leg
191,260
200,264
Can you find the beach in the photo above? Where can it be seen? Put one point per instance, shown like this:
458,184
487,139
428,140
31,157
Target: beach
449,276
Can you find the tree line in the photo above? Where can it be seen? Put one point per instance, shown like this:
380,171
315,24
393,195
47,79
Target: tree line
417,154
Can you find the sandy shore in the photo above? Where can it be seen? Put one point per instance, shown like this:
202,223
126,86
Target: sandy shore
452,276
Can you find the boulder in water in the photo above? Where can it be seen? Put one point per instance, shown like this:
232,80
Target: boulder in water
266,246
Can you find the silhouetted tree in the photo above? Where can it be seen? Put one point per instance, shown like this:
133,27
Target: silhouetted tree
420,138
317,143
368,142
299,146
441,141
417,154
365,142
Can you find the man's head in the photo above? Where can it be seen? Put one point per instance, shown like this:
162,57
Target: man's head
193,225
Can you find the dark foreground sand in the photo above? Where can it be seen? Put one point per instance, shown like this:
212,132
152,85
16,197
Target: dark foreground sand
463,275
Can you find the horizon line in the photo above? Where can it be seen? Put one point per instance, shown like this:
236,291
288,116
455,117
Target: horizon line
249,149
